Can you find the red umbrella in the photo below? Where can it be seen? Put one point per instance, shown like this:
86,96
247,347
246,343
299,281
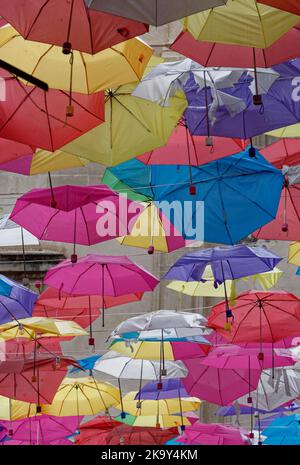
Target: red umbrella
94,432
37,118
139,436
69,24
12,150
217,54
184,149
33,378
292,6
283,152
259,317
286,225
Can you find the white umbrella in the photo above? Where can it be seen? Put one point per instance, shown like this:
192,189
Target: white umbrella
12,235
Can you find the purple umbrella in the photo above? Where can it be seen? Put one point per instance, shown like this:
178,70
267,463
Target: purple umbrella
16,301
232,410
171,389
280,106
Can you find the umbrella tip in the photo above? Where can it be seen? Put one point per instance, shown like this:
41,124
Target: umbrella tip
66,48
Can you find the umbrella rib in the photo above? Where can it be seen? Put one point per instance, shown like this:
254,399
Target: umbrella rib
132,114
80,276
35,19
85,72
243,319
292,201
86,225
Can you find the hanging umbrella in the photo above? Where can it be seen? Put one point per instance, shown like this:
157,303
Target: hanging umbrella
287,132
56,442
184,149
259,317
70,25
75,214
214,434
291,6
154,232
165,335
286,225
171,388
12,235
94,432
150,123
102,275
283,152
41,429
82,396
217,385
33,378
16,301
153,12
136,436
154,421
37,118
229,192
283,430
294,253
12,410
78,72
227,24
236,410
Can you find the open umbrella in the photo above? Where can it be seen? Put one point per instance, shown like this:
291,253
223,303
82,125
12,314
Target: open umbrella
291,6
56,442
71,24
16,301
94,432
37,118
226,197
171,388
102,275
294,253
283,152
283,430
156,12
11,409
138,436
154,421
214,434
227,24
290,131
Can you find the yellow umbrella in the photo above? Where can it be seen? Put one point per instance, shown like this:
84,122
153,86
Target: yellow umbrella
145,350
287,131
36,327
132,126
82,396
11,409
119,64
154,421
294,253
241,22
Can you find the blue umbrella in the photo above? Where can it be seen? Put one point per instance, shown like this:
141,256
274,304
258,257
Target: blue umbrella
86,363
283,430
16,301
231,197
135,336
171,389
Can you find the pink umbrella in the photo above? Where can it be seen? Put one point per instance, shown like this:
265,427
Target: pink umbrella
37,118
214,434
184,149
41,429
83,215
56,442
11,150
103,275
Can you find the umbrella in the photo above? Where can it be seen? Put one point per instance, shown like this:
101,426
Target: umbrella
78,72
214,434
165,335
154,421
33,379
16,301
100,275
191,150
283,152
154,232
37,118
290,131
153,11
171,388
75,214
12,410
12,235
70,25
286,225
259,317
229,192
236,410
56,442
227,24
138,436
294,253
291,6
218,385
94,432
82,396
150,123
283,430
41,429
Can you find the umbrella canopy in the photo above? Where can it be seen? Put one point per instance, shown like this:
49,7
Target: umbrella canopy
191,150
232,189
214,434
290,131
33,378
121,367
283,430
154,421
283,152
153,12
137,436
294,253
16,301
123,63
150,123
71,25
291,6
275,388
12,235
286,226
41,429
227,24
56,442
171,389
82,396
37,118
94,432
12,410
75,214
259,317
241,56
217,385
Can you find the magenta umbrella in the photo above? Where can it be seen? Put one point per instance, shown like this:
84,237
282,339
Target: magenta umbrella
56,442
83,215
41,429
214,434
103,275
